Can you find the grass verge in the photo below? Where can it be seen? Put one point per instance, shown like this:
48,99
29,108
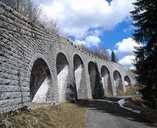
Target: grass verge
46,116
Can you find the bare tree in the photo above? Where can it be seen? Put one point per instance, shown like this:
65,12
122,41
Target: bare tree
100,52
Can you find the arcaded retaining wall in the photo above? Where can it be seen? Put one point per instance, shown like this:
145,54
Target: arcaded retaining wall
24,45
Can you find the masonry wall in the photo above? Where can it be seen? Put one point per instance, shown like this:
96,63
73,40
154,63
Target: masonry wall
21,44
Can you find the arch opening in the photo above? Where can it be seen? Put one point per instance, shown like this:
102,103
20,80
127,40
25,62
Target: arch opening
127,81
118,82
79,76
106,81
95,81
40,81
64,87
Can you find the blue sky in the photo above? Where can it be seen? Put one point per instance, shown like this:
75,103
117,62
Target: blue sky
121,31
94,23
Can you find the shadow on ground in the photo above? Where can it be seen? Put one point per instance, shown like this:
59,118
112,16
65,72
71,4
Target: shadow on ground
113,108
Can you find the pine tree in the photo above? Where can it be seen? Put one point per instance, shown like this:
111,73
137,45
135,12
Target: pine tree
145,20
113,57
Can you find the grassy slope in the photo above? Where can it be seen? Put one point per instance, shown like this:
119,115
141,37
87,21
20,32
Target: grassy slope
63,116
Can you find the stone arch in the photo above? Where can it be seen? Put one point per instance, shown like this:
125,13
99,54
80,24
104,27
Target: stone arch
106,80
79,77
40,81
95,81
118,82
64,87
127,81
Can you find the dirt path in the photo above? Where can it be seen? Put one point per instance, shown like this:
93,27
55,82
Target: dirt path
102,114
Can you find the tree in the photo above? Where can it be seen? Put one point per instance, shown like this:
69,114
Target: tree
145,20
102,53
113,57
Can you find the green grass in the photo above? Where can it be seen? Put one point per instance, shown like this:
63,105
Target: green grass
46,116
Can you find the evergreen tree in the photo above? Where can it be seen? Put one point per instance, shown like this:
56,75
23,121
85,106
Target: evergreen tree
145,20
113,57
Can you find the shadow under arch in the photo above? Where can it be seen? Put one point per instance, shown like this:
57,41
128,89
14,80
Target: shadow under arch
118,82
40,81
79,77
106,81
95,81
127,81
67,91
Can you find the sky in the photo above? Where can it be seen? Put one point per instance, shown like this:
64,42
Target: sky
95,24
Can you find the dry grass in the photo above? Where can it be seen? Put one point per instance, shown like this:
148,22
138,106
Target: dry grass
110,93
135,102
131,90
63,116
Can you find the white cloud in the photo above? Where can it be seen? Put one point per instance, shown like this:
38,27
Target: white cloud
127,60
80,42
90,41
126,46
125,51
76,17
109,51
95,40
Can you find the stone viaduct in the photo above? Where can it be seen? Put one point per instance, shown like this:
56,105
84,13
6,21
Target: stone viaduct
39,66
